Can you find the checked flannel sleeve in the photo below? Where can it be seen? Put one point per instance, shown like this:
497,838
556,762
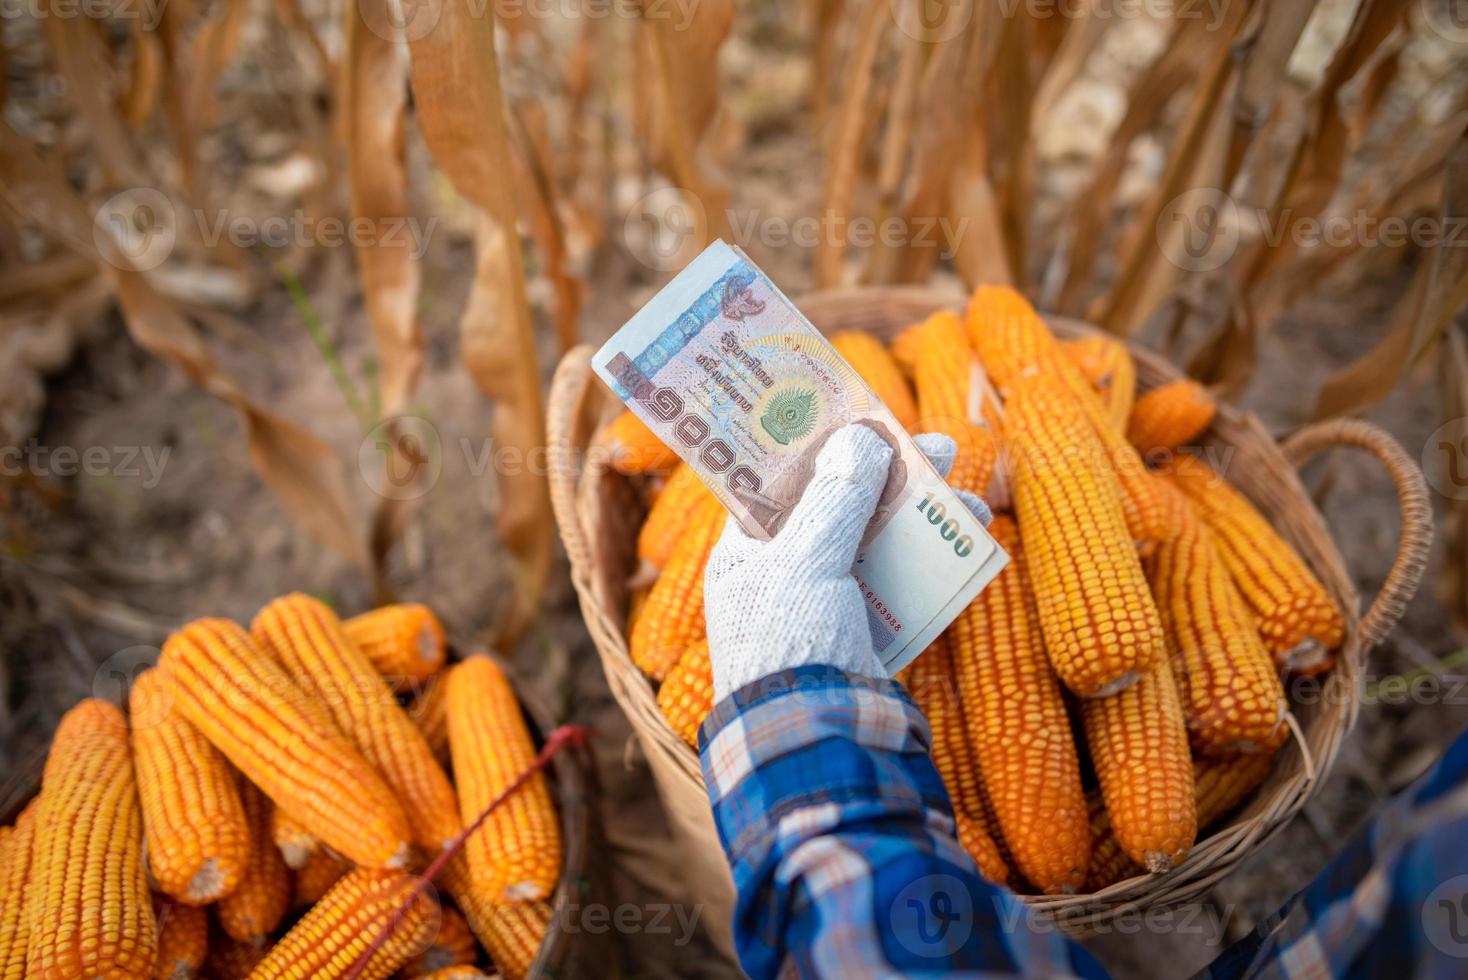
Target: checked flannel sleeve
1393,904
841,840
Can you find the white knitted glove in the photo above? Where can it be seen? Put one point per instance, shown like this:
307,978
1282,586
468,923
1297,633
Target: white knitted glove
791,601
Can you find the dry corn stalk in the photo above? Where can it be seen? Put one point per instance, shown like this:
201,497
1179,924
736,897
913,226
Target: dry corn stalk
284,742
194,825
90,912
515,855
306,637
1019,726
338,931
1139,746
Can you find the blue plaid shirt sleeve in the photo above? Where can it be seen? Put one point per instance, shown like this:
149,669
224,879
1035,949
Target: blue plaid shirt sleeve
1393,904
841,840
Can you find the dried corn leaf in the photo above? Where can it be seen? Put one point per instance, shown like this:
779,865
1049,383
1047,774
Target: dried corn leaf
844,148
297,467
949,106
1264,50
1158,238
1311,181
1439,291
84,63
685,78
376,102
534,161
1149,95
456,88
145,78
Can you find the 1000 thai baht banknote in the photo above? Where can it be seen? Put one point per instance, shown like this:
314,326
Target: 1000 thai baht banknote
724,368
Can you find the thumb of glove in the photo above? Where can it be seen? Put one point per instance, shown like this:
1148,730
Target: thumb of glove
827,523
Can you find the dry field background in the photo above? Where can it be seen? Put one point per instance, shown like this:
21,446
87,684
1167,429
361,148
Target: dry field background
203,403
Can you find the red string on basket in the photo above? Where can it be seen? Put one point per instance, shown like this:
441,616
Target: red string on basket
567,736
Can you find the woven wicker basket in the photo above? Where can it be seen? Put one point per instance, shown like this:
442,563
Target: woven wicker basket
599,515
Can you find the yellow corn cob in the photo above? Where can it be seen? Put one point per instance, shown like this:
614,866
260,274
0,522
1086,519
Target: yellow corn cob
183,941
1014,344
515,856
672,618
1219,785
636,602
305,636
329,940
1300,623
931,683
17,851
296,844
687,694
315,878
945,374
454,945
455,973
1139,746
404,642
1231,695
427,713
230,960
90,911
871,360
1170,416
198,841
671,514
904,348
635,448
1108,366
284,742
1019,726
978,844
1100,624
253,910
511,934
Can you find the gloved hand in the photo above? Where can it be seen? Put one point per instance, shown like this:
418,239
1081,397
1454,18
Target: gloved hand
790,601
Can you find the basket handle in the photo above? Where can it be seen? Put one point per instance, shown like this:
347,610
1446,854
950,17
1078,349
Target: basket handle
570,381
1416,508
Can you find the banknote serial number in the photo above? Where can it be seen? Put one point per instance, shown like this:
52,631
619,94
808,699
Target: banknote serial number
948,527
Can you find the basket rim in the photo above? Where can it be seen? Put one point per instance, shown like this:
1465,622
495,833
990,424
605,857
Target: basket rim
1256,820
